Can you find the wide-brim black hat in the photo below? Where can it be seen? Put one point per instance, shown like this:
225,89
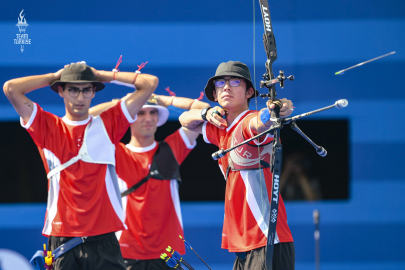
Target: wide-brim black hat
233,69
77,73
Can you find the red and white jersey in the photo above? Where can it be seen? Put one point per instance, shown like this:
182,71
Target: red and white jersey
152,211
247,200
82,200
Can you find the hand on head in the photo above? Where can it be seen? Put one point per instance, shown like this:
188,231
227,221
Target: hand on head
59,72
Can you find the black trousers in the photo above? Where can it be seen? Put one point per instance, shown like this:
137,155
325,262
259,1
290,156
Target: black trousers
283,258
154,264
101,252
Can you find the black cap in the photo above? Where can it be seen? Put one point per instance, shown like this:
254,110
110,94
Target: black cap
231,68
77,73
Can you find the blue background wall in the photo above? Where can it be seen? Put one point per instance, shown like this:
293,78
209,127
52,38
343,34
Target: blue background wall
184,41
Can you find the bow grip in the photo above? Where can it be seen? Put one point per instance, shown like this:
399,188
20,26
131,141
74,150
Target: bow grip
275,113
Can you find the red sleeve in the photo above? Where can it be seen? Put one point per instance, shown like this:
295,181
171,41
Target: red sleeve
210,133
117,121
180,145
248,133
40,125
128,168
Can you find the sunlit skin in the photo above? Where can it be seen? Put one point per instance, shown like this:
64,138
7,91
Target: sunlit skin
77,108
233,97
144,128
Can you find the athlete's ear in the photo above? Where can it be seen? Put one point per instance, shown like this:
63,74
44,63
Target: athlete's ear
60,91
249,92
215,95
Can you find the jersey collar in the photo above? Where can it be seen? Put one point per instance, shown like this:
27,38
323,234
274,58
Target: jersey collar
141,149
236,120
75,123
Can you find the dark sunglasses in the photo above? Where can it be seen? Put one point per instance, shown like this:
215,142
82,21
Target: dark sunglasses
232,82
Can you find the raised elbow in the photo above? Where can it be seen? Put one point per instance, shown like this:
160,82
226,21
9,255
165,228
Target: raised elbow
154,82
181,119
7,88
185,120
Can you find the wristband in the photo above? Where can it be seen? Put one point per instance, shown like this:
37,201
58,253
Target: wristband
265,116
114,71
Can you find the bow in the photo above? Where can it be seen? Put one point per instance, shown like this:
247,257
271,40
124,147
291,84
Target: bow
270,82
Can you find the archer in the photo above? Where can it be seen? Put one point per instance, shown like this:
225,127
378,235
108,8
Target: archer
247,197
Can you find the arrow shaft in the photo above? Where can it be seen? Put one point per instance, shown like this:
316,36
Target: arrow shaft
365,62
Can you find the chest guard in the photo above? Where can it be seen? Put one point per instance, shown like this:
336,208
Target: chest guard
246,157
164,167
95,135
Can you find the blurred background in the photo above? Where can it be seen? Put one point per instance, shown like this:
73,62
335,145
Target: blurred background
358,187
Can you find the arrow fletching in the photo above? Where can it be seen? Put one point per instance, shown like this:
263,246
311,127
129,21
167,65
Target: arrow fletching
164,257
176,255
185,242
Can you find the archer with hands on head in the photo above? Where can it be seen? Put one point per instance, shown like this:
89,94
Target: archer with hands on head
152,200
246,169
83,187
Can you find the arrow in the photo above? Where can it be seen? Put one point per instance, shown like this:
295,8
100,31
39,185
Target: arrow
189,246
368,61
178,257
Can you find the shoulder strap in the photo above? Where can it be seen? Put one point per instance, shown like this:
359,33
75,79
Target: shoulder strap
164,167
136,186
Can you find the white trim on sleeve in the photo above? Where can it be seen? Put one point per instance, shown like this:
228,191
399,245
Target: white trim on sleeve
126,113
186,140
32,117
204,133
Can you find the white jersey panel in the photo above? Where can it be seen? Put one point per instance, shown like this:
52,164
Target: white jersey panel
114,195
53,192
257,199
123,187
174,189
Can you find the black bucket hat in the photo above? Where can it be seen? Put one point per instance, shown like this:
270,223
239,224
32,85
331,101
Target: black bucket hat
77,73
231,68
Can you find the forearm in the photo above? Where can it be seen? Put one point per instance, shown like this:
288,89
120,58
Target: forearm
143,81
181,102
147,85
16,89
257,126
98,109
191,119
24,85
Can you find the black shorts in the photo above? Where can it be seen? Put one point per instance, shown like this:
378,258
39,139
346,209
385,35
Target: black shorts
283,258
154,264
101,252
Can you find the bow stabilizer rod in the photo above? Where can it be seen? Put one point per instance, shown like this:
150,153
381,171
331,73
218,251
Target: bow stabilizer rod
338,104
